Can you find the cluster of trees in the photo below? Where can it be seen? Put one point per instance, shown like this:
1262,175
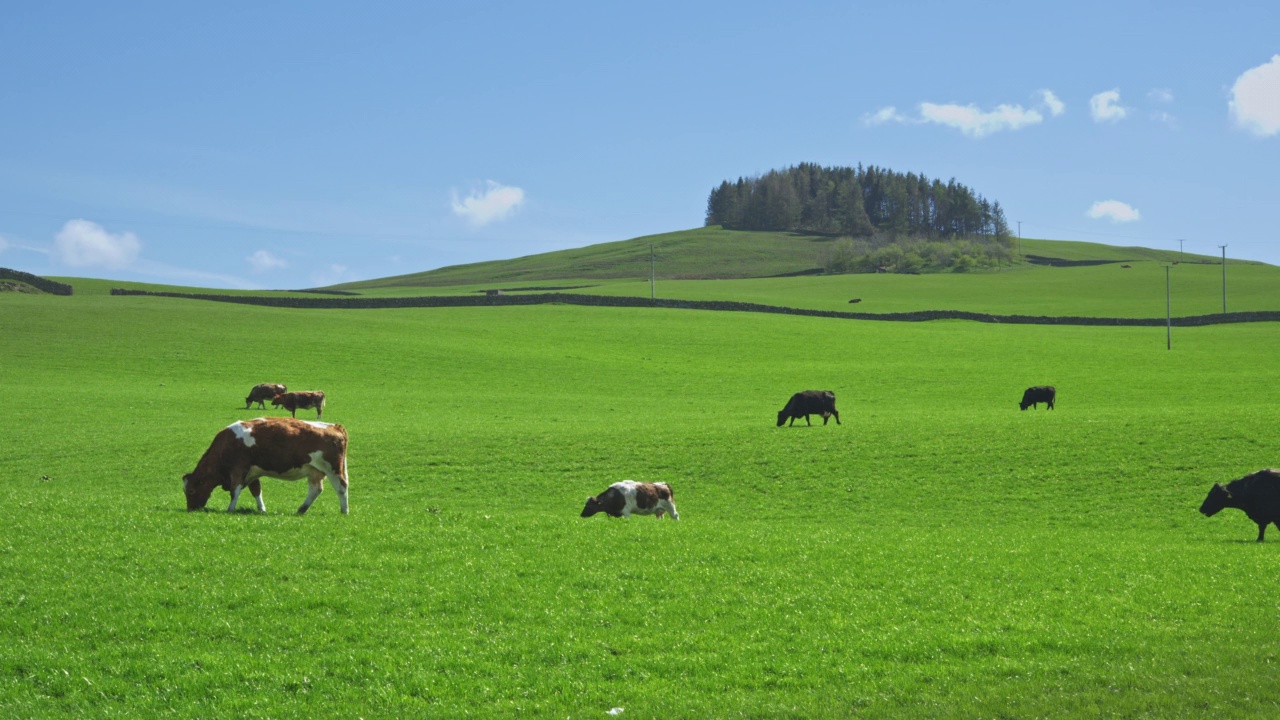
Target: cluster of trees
914,256
873,203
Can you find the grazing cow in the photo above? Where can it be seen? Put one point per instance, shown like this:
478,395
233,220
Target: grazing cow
1258,495
294,401
280,448
629,496
263,392
1039,394
810,402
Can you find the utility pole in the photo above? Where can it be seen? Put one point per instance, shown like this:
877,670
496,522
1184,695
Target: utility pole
1168,313
1180,241
651,291
1224,278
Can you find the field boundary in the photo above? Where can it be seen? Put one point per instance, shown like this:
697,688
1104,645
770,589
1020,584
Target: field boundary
366,303
52,287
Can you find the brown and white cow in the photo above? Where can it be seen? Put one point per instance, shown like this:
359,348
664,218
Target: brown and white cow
283,448
263,392
627,497
294,401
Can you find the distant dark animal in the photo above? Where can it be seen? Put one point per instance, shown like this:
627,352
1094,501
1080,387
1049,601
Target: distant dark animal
295,401
1258,495
855,300
810,402
629,496
263,392
1126,266
1039,394
284,448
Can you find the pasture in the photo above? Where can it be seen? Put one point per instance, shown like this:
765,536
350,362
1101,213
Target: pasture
939,554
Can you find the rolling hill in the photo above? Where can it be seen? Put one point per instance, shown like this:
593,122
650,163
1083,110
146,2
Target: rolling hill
708,253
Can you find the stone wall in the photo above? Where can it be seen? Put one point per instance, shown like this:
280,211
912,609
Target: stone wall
35,281
363,303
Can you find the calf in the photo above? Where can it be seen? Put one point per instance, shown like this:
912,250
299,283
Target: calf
263,392
1039,394
1258,495
283,448
294,401
810,402
629,496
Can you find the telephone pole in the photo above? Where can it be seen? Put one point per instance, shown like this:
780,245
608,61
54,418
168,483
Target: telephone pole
651,291
1168,313
1180,250
1224,279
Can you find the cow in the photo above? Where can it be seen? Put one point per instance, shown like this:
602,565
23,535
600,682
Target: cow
294,401
263,392
626,497
1258,495
1039,394
810,402
283,448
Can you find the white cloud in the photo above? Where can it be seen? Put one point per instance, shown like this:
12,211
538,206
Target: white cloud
1051,101
1106,107
4,244
83,243
262,261
1160,95
972,121
495,203
1255,99
1114,210
884,115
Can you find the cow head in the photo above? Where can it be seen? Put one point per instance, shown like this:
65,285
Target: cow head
277,400
1218,498
197,492
593,507
1021,406
782,417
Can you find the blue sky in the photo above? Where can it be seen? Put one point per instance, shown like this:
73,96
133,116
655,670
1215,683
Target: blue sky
287,145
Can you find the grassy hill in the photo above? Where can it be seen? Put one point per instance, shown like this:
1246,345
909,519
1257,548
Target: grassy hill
702,254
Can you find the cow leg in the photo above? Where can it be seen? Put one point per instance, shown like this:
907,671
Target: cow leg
235,496
670,507
255,487
315,486
339,484
294,412
806,420
1262,530
836,415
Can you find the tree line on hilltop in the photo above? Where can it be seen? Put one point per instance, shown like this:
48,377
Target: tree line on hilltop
889,221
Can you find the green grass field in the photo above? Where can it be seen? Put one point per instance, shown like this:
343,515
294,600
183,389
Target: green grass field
940,554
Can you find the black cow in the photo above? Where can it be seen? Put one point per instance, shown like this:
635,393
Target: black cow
810,402
1039,394
1258,495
